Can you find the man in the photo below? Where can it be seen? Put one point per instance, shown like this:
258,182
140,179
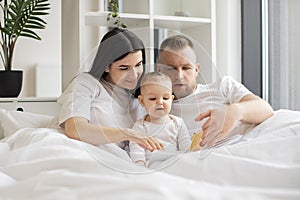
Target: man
230,108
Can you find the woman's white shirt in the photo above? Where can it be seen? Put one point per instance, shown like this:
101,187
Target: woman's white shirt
100,102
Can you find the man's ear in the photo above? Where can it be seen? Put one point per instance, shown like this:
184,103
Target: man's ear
197,69
141,100
106,69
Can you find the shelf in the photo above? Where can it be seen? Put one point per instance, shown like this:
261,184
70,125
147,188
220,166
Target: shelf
131,20
142,20
152,21
29,99
175,22
48,106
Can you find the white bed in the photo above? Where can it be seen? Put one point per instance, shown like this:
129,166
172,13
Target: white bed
37,161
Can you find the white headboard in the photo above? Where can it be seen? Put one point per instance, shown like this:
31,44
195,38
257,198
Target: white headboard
47,106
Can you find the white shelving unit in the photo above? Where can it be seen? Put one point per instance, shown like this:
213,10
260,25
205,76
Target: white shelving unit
31,104
152,21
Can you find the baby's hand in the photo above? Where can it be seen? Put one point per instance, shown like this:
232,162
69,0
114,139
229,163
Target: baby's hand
140,162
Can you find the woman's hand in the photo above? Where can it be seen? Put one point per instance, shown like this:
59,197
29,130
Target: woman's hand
80,129
146,142
219,123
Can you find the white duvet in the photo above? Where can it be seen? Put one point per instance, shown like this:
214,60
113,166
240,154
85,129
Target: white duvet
41,163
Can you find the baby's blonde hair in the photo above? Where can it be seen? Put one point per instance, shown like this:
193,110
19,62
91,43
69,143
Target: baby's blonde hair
156,78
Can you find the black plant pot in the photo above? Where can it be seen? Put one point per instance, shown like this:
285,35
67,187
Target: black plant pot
10,83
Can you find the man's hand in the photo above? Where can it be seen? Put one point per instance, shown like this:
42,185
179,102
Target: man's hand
219,123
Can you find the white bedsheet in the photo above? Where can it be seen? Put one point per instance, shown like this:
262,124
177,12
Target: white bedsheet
40,163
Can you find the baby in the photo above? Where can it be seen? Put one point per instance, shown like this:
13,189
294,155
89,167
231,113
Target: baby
156,96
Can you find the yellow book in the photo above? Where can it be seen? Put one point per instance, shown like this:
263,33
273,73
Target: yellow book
196,139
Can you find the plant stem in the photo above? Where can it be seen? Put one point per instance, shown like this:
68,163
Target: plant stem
4,38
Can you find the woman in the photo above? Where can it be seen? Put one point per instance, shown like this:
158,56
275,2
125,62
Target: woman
98,107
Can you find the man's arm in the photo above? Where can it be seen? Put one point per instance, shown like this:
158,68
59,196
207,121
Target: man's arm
251,109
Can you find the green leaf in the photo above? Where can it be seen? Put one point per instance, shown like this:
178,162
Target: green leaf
34,22
34,27
43,5
42,1
31,33
39,13
39,9
37,19
30,36
25,14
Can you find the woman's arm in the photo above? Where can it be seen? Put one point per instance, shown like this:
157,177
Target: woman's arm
80,129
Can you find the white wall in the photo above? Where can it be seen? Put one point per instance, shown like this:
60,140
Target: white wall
229,38
31,53
75,49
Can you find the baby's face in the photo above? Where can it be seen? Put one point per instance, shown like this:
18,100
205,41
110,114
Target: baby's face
157,99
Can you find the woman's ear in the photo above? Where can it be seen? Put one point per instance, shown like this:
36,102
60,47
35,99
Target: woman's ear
141,100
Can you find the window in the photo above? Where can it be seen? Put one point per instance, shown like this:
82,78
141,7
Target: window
284,60
270,43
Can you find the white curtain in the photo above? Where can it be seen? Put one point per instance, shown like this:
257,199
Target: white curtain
284,54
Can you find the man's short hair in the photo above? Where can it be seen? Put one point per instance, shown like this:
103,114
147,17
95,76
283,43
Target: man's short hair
176,42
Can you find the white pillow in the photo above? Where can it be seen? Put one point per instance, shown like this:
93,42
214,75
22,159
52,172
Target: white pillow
11,121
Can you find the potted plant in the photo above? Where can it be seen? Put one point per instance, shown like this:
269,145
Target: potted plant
113,8
18,19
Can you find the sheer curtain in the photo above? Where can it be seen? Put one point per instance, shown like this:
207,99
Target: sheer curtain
284,54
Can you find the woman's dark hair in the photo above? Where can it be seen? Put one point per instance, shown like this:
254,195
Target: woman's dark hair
115,45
